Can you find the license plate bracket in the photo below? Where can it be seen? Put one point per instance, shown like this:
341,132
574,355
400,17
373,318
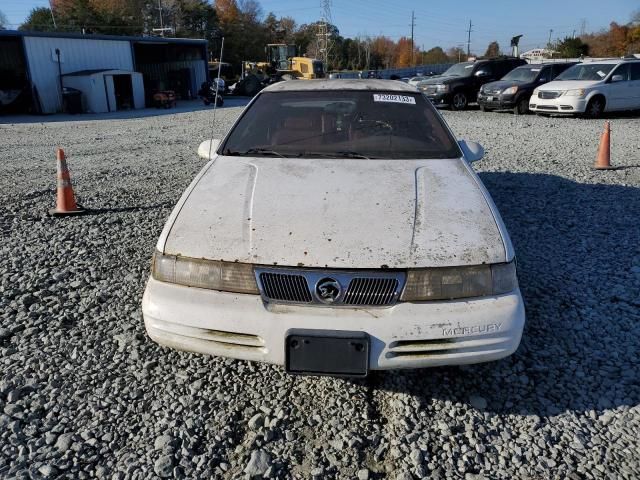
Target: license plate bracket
327,352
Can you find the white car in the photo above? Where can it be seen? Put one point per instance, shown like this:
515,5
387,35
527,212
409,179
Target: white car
591,89
338,228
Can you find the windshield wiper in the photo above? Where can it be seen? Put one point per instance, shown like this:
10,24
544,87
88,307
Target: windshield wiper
340,154
260,151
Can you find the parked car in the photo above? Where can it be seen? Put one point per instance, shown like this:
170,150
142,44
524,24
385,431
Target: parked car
459,85
591,89
514,90
281,251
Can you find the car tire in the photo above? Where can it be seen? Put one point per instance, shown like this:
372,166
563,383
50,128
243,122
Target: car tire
522,107
595,107
459,101
251,85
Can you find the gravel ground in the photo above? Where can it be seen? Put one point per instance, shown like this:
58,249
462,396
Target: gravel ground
84,393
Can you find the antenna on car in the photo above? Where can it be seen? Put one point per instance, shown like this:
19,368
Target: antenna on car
215,102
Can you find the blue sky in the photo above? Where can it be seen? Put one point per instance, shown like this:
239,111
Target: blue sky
438,23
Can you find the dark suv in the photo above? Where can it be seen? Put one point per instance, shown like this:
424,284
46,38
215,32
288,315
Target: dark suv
514,90
459,85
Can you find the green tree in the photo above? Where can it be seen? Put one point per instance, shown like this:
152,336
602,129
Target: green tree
39,20
434,56
457,54
493,50
571,48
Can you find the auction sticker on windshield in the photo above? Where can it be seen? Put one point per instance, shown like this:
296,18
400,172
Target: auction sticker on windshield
381,97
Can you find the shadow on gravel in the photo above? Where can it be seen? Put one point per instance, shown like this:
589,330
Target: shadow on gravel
578,248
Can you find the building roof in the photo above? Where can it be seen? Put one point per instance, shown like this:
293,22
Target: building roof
86,73
90,36
340,84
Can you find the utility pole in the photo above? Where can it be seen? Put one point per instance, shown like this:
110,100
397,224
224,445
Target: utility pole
161,24
413,24
469,39
549,42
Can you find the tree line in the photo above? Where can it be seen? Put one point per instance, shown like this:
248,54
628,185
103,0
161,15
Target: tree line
247,30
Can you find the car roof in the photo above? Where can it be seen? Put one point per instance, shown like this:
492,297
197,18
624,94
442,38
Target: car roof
340,84
612,61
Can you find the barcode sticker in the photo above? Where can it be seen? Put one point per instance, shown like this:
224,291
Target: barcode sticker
383,97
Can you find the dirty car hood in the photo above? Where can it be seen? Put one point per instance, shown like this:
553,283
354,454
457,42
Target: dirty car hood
336,213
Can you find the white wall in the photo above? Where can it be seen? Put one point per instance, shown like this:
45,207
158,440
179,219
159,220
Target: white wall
76,54
96,88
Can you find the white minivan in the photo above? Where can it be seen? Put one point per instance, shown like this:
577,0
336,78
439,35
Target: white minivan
591,89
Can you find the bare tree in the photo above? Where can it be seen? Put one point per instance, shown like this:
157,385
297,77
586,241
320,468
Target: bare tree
3,21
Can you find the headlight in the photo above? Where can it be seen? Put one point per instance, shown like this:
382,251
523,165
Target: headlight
580,92
535,92
510,90
459,282
442,88
210,274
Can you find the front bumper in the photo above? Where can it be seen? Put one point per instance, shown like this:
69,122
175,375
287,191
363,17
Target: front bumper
439,99
561,105
406,335
497,102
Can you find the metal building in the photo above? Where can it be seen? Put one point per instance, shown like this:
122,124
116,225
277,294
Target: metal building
35,66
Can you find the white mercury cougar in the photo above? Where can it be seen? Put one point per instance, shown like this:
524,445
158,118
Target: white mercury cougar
338,228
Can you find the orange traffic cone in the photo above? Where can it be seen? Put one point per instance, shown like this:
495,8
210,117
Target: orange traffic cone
66,201
603,160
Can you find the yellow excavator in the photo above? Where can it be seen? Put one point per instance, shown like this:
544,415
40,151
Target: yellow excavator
283,63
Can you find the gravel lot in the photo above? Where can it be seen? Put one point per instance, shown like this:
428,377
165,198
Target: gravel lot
84,393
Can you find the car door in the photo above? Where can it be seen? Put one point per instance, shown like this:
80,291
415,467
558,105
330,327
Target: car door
619,92
488,75
545,75
634,80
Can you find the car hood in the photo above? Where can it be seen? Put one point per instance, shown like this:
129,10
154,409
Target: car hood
441,79
502,84
557,85
336,213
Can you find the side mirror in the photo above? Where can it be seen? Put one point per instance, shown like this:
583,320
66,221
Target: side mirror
207,149
617,78
482,73
472,151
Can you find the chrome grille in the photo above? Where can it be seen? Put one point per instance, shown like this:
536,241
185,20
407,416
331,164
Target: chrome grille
334,288
548,94
371,291
285,287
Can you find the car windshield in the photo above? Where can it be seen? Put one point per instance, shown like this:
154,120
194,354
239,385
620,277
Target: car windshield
460,70
341,124
586,71
526,74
